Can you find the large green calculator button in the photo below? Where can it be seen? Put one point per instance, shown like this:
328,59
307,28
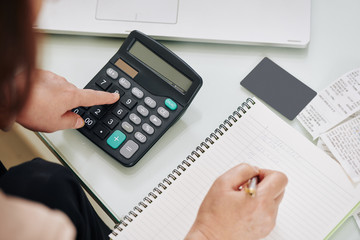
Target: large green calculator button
170,104
116,139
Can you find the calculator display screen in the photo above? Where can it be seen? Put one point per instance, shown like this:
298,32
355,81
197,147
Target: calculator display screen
169,74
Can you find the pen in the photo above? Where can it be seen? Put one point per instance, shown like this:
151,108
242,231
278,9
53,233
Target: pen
250,187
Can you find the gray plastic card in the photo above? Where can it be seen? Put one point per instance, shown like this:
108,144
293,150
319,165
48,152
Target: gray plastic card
278,88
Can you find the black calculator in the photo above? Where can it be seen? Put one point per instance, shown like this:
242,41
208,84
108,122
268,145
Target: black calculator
155,87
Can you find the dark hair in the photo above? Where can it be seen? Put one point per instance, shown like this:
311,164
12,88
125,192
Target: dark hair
17,53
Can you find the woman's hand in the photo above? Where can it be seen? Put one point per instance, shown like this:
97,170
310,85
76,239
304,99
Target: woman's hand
228,213
23,219
51,100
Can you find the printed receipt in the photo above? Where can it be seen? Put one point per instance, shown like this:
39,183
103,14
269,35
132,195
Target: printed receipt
332,105
344,142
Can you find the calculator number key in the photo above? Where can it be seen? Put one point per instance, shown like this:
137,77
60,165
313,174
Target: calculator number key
115,89
120,112
89,121
78,111
97,111
111,121
103,83
128,102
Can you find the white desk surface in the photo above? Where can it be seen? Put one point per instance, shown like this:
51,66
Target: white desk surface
333,50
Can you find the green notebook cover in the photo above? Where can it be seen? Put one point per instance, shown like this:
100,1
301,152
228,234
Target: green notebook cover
347,227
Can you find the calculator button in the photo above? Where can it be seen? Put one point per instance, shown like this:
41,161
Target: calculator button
129,149
137,93
135,118
170,104
110,121
128,102
142,110
127,127
89,121
148,129
155,120
112,73
140,137
97,111
116,139
124,83
115,89
78,111
120,112
101,131
103,83
150,102
163,112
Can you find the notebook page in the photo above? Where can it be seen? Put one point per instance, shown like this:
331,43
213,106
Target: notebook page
317,197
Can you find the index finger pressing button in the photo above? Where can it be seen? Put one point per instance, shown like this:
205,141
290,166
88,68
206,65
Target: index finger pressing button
115,89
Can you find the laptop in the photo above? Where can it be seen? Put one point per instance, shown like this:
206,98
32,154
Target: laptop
284,23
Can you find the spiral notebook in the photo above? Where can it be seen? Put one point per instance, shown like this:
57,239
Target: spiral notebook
317,196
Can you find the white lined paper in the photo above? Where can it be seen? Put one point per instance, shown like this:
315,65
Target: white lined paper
317,197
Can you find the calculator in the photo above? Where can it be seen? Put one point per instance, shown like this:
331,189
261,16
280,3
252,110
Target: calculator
155,87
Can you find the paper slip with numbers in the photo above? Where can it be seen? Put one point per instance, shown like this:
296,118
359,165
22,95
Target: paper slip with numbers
333,105
344,143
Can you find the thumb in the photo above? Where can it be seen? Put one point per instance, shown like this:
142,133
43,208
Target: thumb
71,120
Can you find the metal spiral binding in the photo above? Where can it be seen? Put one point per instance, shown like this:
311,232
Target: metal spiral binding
157,190
203,144
232,118
181,168
151,194
219,131
198,148
190,158
166,180
209,140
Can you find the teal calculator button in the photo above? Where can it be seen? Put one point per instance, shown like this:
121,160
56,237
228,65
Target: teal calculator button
116,139
170,104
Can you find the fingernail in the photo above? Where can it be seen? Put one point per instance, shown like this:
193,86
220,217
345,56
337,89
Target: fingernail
79,123
117,95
